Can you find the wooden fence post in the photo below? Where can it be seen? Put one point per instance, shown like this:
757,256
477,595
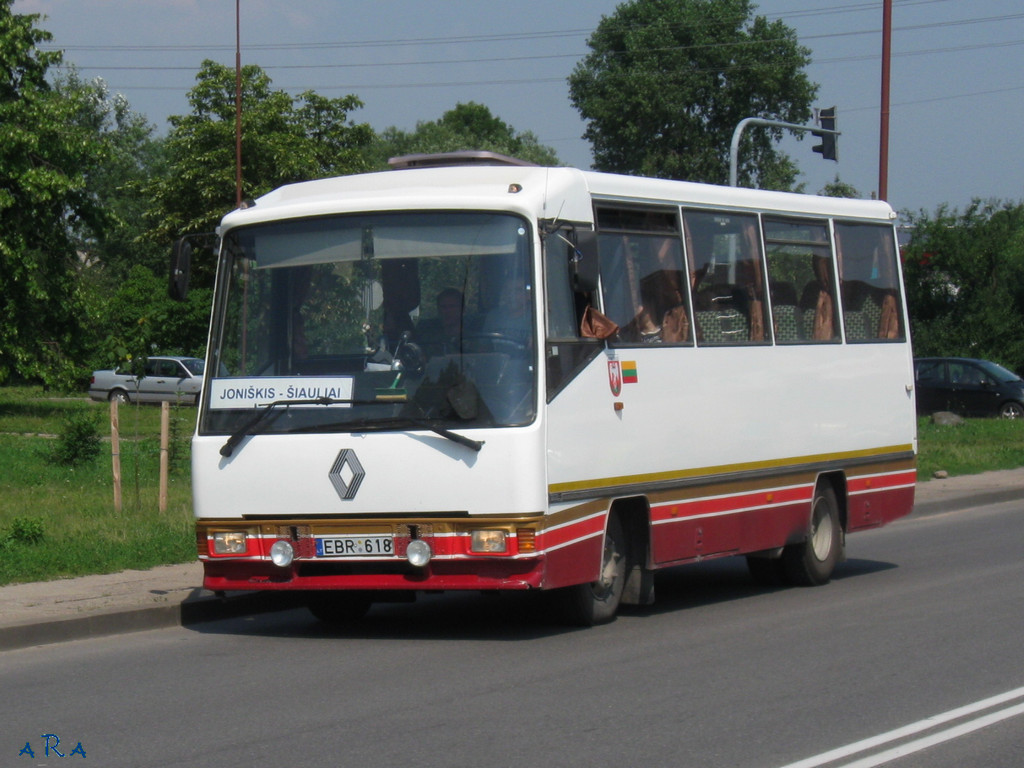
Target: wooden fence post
115,452
165,421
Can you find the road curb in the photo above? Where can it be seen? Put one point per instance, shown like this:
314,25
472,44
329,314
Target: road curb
190,612
959,502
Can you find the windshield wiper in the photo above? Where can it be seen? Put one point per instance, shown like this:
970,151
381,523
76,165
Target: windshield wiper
249,428
437,429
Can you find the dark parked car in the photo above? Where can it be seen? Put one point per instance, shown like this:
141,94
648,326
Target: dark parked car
171,378
968,387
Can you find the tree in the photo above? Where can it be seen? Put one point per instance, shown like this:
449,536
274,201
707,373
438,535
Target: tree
839,188
136,318
131,153
964,274
45,154
467,126
667,82
284,140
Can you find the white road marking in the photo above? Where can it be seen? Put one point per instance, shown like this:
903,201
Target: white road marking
929,723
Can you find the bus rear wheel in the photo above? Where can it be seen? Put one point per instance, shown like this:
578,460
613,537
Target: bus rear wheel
597,602
338,607
811,562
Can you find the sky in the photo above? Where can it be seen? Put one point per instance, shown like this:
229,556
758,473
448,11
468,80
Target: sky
957,90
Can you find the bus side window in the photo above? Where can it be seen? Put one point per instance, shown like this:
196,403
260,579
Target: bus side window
726,277
870,282
562,315
566,351
799,259
643,277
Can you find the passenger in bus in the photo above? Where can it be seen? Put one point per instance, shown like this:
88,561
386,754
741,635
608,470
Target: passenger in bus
442,335
661,314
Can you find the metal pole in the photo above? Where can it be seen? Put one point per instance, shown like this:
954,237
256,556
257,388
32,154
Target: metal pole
883,141
238,104
734,147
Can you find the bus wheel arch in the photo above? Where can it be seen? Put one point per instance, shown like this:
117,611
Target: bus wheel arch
635,513
598,602
811,561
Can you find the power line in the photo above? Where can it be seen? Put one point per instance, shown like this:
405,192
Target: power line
516,36
363,65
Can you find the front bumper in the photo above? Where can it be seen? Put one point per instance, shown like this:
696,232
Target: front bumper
318,564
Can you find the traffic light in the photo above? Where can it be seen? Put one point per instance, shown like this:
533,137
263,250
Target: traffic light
828,148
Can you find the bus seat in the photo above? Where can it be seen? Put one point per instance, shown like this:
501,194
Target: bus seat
787,322
856,325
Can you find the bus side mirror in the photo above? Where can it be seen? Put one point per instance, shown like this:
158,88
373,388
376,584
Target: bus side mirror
585,262
181,266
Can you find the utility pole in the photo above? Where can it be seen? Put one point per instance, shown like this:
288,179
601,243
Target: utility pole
883,140
238,104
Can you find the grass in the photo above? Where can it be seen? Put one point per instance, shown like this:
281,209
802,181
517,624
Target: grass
59,521
976,445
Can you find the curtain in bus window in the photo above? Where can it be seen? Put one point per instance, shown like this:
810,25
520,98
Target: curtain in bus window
726,277
824,307
870,281
755,281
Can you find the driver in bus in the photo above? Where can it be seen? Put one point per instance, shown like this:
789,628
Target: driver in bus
443,335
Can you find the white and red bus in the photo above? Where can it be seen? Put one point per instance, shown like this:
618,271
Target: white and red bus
509,377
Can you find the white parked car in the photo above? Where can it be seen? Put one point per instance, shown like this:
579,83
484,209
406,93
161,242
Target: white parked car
172,378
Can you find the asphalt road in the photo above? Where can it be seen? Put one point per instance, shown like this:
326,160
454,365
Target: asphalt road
923,621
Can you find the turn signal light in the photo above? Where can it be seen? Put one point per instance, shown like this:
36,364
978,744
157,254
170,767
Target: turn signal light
527,539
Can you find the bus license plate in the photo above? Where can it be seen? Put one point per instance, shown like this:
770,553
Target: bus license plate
355,546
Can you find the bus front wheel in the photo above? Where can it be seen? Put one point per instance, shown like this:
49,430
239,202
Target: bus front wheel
811,562
598,602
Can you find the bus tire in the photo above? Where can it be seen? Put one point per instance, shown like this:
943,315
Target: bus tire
811,562
338,607
597,602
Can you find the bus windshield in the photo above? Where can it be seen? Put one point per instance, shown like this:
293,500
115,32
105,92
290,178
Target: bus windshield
374,321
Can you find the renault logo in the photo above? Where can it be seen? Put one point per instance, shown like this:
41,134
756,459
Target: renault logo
346,474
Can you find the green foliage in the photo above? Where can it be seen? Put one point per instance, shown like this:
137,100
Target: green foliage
131,153
22,531
964,274
467,126
45,153
138,318
78,441
839,188
284,140
667,81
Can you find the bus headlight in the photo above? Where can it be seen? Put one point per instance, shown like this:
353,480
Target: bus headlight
282,553
229,543
488,541
418,553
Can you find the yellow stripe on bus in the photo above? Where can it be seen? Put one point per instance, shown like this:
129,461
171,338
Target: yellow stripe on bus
795,463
